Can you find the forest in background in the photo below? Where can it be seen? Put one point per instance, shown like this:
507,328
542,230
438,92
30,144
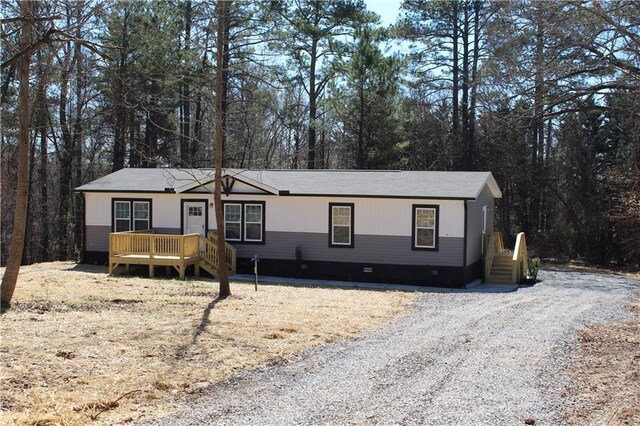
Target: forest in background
544,94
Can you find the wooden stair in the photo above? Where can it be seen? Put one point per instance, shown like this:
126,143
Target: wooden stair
502,268
208,267
209,254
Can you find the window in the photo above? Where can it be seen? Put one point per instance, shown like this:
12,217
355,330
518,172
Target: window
253,222
195,210
232,222
485,210
131,215
122,216
425,228
340,225
244,221
140,215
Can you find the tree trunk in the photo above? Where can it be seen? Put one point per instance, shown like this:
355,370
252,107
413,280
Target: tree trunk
361,152
27,251
474,75
313,97
43,180
466,145
78,143
224,96
223,271
64,160
120,143
538,119
10,277
185,114
455,70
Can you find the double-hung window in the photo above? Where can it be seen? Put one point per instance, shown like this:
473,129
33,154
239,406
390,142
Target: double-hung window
131,215
253,222
341,224
232,222
244,221
425,227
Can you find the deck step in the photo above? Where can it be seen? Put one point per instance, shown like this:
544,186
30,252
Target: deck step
208,267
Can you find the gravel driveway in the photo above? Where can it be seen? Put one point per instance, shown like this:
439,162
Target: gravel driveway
457,358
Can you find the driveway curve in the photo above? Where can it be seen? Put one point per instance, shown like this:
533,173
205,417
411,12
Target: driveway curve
456,358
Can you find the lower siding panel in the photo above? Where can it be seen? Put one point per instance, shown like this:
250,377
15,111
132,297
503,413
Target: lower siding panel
441,276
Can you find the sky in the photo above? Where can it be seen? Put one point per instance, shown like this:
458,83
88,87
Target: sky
387,9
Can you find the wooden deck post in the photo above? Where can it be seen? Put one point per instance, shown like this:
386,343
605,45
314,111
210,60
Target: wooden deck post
196,268
151,270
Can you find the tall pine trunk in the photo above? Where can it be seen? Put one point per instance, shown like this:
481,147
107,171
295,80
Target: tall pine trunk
537,147
16,247
474,74
78,142
455,68
313,99
120,133
466,144
185,90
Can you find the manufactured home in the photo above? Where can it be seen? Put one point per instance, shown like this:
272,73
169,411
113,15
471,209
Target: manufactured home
409,227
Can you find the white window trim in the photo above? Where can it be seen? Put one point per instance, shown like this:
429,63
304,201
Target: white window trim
416,227
244,216
116,219
132,215
239,222
333,225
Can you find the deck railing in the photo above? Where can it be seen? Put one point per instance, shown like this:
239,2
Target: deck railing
492,244
230,251
163,248
147,243
520,259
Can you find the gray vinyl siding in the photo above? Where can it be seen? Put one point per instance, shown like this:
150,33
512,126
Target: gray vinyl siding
395,250
97,238
170,231
474,223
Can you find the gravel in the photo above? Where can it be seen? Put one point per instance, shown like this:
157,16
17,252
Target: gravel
457,358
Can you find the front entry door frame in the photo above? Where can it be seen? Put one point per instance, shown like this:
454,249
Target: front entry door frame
183,213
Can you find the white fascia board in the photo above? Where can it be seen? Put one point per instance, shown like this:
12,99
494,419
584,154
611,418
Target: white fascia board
237,175
493,186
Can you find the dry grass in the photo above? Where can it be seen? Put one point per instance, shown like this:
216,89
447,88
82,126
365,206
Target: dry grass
605,373
80,346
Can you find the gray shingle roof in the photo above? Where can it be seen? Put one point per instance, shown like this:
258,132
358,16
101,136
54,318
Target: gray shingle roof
402,184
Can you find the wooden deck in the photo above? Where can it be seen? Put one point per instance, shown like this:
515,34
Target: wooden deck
177,251
502,265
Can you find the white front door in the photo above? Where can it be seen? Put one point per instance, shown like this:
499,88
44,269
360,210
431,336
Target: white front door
194,217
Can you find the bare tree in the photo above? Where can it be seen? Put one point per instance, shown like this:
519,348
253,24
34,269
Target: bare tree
223,271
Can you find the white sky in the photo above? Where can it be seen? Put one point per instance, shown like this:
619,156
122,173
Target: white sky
387,9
